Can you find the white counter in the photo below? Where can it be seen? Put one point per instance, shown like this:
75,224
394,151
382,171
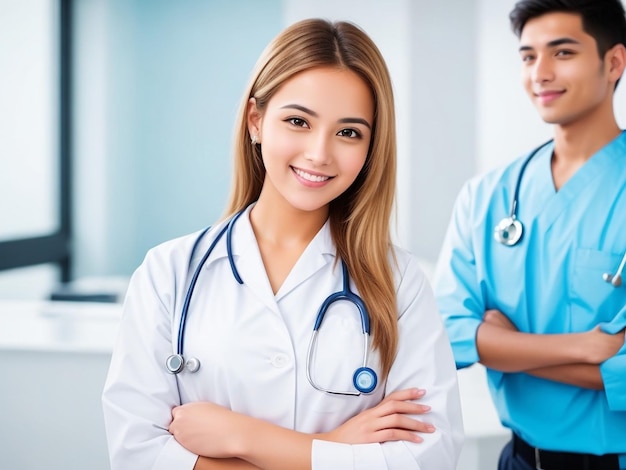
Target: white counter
55,356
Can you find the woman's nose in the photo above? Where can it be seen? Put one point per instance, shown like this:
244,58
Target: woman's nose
319,150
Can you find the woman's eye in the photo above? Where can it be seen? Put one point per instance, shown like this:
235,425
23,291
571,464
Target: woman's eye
351,133
297,122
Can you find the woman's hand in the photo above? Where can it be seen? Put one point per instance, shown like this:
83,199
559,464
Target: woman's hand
387,421
207,429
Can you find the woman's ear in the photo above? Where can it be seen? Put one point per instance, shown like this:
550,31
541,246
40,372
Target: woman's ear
254,120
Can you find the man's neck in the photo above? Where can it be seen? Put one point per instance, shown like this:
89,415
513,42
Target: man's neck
577,143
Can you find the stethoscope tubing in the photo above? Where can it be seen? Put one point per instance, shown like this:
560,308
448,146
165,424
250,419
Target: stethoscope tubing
364,378
228,230
348,295
504,226
192,285
344,294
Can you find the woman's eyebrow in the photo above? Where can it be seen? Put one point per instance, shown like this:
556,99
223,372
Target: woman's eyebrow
355,120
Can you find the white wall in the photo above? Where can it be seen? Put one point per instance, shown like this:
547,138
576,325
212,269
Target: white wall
157,85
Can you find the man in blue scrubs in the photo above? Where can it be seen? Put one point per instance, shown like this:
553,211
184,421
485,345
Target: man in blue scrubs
546,313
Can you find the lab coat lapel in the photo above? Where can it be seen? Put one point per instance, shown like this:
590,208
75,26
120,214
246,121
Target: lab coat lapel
250,266
249,262
585,181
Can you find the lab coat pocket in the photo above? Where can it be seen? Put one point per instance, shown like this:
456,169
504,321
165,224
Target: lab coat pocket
592,299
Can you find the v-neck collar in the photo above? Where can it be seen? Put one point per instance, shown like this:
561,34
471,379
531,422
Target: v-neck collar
555,202
247,257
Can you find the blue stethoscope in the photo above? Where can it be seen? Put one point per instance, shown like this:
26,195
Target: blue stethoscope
364,378
510,229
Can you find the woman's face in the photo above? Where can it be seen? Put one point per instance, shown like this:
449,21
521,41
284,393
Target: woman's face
315,133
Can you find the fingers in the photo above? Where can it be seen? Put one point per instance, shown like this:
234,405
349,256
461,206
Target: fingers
403,407
405,394
401,428
387,435
395,422
404,422
401,401
400,407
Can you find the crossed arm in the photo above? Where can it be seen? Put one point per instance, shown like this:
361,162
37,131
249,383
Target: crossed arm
227,440
572,358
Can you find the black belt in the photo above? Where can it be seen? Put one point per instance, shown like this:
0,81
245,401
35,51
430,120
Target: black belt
550,460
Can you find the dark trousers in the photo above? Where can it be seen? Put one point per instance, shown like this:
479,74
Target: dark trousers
515,456
510,461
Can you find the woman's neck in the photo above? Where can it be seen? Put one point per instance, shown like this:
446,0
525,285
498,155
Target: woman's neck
282,224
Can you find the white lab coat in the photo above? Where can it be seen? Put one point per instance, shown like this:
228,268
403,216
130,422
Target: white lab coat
252,346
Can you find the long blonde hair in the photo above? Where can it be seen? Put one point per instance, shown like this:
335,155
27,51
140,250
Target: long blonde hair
360,217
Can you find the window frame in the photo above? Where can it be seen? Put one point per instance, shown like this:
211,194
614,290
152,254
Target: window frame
55,247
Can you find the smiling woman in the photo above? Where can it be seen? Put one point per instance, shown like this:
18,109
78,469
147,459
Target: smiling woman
307,226
303,133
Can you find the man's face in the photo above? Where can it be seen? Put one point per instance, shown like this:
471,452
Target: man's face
562,72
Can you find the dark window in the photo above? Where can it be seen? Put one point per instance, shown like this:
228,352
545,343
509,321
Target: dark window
35,150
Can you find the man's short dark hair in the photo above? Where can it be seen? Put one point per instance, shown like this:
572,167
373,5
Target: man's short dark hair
604,20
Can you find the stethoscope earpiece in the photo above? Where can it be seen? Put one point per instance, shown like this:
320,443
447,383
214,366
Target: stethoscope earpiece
614,279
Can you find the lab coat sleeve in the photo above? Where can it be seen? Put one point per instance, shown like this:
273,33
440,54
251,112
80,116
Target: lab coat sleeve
613,370
139,393
457,289
424,360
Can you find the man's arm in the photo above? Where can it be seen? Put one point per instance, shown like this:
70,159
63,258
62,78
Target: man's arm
580,375
572,358
511,351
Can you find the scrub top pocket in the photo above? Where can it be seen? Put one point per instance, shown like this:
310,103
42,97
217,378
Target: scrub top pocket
592,299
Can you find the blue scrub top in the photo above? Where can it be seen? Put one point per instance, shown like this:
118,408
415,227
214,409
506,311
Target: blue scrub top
550,282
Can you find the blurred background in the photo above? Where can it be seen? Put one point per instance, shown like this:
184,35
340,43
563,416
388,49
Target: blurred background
116,119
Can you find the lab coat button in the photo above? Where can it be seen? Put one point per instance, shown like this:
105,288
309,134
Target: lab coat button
280,360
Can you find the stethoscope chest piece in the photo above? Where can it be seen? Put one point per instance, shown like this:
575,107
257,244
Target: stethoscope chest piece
508,231
176,363
364,380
